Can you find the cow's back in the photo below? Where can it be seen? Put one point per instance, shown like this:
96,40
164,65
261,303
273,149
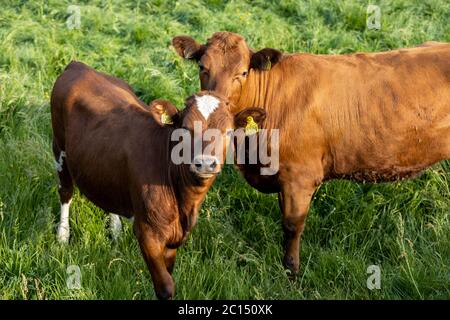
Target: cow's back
396,114
373,117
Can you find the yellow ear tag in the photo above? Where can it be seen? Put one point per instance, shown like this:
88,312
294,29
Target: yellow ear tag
165,118
251,127
267,64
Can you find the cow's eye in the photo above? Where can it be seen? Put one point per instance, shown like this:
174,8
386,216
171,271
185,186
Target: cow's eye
245,73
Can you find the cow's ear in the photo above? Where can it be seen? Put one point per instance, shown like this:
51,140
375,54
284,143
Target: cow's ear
264,59
250,119
188,48
164,112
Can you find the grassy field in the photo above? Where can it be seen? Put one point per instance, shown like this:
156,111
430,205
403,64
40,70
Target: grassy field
235,249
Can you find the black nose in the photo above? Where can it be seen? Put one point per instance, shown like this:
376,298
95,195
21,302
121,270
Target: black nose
209,164
213,164
206,164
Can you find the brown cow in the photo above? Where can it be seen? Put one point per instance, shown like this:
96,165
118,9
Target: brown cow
366,116
117,151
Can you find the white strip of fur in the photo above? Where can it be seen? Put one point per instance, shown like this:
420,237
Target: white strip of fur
115,225
63,228
206,105
60,162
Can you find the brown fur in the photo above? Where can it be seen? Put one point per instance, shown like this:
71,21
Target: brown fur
365,116
118,154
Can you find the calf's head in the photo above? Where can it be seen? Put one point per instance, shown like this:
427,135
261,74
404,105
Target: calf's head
225,61
201,132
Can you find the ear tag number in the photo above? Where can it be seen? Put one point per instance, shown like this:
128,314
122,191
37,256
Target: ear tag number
268,64
165,118
251,127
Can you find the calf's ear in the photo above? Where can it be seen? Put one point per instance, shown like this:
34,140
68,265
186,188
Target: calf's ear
164,112
250,119
188,48
264,59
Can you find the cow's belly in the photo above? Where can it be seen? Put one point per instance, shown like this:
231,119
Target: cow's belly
109,198
104,183
401,149
390,164
377,175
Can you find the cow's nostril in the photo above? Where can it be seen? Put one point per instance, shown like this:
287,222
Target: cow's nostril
206,164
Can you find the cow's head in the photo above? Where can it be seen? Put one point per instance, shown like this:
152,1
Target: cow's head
202,131
225,61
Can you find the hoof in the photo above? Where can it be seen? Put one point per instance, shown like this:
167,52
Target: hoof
165,294
165,291
290,264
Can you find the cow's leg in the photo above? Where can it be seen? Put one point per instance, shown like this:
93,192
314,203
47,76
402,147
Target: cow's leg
65,190
115,225
295,200
169,258
153,250
280,201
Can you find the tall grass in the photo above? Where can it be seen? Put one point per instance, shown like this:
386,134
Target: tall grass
235,249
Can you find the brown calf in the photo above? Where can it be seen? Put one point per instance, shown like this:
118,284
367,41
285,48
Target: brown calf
118,152
365,116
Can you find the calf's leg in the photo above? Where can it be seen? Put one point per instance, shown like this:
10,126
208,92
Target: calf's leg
153,251
169,258
65,190
294,201
115,226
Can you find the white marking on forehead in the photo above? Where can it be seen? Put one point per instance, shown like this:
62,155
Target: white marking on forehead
206,105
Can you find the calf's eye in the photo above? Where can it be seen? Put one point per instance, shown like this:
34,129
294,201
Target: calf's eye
245,73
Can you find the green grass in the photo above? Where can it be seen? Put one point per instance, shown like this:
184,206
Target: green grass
235,249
